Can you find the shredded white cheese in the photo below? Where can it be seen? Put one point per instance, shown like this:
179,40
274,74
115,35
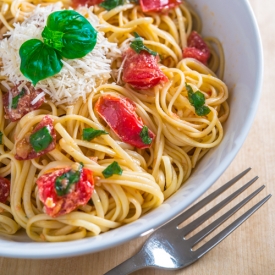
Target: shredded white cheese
78,77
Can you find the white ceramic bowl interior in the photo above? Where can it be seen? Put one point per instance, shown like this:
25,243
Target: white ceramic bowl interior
234,24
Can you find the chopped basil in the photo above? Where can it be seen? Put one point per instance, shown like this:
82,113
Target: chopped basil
15,100
64,182
1,138
41,139
197,100
112,169
111,4
138,46
144,134
91,133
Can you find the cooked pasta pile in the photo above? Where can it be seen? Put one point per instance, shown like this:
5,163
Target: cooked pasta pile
149,175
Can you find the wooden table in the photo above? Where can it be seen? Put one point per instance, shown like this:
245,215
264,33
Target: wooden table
250,250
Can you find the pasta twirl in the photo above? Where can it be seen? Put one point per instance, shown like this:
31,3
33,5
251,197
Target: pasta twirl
149,175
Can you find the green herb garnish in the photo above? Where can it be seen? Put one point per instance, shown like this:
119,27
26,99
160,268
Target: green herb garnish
67,34
138,46
64,182
144,134
91,133
197,100
1,138
112,169
111,4
41,139
15,100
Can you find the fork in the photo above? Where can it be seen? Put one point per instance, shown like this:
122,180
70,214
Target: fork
168,247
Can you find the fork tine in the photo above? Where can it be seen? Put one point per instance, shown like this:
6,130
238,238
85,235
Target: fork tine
211,227
197,222
229,229
195,208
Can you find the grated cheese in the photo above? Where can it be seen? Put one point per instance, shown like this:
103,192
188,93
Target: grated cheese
78,77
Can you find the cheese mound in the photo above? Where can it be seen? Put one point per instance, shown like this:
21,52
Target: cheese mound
78,77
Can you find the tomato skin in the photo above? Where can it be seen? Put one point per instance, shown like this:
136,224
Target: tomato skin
158,5
141,70
119,113
24,149
60,205
76,3
24,103
4,189
196,48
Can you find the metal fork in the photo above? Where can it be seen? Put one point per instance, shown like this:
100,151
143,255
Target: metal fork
168,248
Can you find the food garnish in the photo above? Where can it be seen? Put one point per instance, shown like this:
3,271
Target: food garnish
197,99
112,169
91,133
67,34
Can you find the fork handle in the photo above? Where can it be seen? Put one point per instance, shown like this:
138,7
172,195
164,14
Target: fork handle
136,262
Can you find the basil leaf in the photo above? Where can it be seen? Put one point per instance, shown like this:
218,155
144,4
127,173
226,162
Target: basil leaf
64,182
15,99
1,138
112,169
91,133
38,61
202,110
70,33
138,46
111,4
197,100
41,139
144,134
53,38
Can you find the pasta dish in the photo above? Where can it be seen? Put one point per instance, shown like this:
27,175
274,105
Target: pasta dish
106,107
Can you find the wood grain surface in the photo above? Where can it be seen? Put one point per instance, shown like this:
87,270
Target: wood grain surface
250,250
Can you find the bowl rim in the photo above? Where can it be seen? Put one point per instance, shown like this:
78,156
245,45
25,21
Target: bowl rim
32,250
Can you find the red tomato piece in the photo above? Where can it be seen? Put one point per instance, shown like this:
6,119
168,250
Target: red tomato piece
24,149
196,48
158,5
119,113
76,3
141,70
4,189
79,194
24,105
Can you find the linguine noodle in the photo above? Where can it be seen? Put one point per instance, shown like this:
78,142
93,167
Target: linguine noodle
149,175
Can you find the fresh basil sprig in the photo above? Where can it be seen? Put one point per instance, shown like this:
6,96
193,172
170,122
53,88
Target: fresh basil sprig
67,34
197,99
144,134
91,133
138,46
111,4
112,169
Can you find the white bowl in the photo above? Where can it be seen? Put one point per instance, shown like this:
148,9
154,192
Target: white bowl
234,24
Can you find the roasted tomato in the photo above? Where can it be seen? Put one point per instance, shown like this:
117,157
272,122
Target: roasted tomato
158,5
37,143
4,189
141,70
21,101
196,48
63,190
76,3
119,113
